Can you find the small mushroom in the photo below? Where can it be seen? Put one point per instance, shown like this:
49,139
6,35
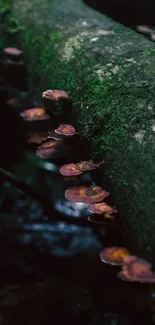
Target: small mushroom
13,69
137,270
144,29
70,170
101,207
37,137
76,194
35,114
114,255
66,129
54,98
13,52
85,194
53,149
45,150
97,193
78,169
88,165
55,94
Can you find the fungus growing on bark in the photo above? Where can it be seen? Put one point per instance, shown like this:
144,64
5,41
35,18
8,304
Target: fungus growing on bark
34,114
66,129
53,149
52,97
88,165
101,207
13,53
45,150
78,168
13,69
86,194
135,269
37,137
70,170
55,94
114,255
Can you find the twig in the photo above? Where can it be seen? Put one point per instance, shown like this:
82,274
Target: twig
48,208
27,189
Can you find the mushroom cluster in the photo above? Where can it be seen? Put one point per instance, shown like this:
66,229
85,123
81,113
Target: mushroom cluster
78,168
52,143
134,269
85,194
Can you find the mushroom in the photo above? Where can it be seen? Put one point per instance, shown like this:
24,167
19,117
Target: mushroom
70,170
78,168
114,255
45,150
137,270
13,69
88,165
13,53
52,97
37,137
53,149
101,207
66,129
35,114
55,94
86,194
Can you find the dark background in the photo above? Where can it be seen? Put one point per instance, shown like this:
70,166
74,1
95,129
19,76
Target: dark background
128,12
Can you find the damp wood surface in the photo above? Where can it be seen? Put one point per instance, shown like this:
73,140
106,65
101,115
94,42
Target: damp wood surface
109,71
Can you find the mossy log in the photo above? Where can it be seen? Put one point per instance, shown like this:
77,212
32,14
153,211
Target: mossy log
109,71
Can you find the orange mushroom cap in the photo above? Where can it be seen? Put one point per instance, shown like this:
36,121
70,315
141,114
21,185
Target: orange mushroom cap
34,114
45,150
70,170
88,165
66,129
114,255
137,270
55,94
12,51
54,148
85,194
101,207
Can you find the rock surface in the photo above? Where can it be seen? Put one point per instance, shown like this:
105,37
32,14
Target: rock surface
109,71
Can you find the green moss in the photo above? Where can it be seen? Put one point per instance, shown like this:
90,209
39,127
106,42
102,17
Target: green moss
149,52
10,25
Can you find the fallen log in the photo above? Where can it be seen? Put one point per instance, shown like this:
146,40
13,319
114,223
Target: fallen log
109,71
